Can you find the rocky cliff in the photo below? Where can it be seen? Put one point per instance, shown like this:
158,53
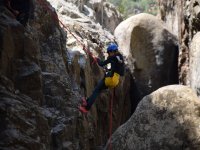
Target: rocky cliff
182,17
45,72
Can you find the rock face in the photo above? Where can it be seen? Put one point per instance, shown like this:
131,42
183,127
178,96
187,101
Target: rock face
169,12
184,14
151,50
24,71
166,119
49,71
38,74
22,124
105,14
194,63
99,11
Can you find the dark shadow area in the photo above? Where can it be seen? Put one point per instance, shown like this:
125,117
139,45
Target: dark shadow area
135,95
23,10
149,73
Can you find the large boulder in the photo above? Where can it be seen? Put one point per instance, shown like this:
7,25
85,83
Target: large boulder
32,59
194,63
151,50
166,119
50,67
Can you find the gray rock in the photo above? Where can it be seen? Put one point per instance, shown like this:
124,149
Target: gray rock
22,125
182,17
194,73
166,119
106,14
45,63
151,50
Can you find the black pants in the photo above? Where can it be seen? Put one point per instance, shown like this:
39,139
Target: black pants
100,86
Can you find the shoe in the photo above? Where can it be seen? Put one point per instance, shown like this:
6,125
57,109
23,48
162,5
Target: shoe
84,102
83,109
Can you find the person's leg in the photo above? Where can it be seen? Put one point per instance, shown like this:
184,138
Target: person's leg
100,86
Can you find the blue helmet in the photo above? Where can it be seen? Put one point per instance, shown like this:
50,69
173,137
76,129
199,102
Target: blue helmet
112,48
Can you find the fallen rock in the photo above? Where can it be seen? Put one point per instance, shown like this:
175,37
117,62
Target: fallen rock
166,119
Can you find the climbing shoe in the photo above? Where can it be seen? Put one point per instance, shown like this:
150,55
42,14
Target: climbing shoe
83,109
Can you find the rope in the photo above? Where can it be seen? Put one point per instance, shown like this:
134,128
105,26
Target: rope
44,4
111,109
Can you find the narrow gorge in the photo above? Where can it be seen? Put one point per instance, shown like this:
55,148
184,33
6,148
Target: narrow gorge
45,72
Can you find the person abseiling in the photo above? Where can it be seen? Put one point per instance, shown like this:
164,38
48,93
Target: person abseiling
111,78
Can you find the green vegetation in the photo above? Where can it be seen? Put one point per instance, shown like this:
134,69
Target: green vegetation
130,7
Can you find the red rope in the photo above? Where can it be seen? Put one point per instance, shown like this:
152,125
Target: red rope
44,4
111,109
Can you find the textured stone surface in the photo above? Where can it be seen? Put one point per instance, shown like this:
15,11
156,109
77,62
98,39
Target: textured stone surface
45,72
194,63
48,67
22,125
151,50
184,15
166,119
19,59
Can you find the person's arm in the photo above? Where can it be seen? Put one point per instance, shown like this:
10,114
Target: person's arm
103,63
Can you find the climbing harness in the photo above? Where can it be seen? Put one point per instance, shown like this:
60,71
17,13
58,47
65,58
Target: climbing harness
54,16
113,81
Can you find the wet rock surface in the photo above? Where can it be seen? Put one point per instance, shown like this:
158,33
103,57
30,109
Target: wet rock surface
182,17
